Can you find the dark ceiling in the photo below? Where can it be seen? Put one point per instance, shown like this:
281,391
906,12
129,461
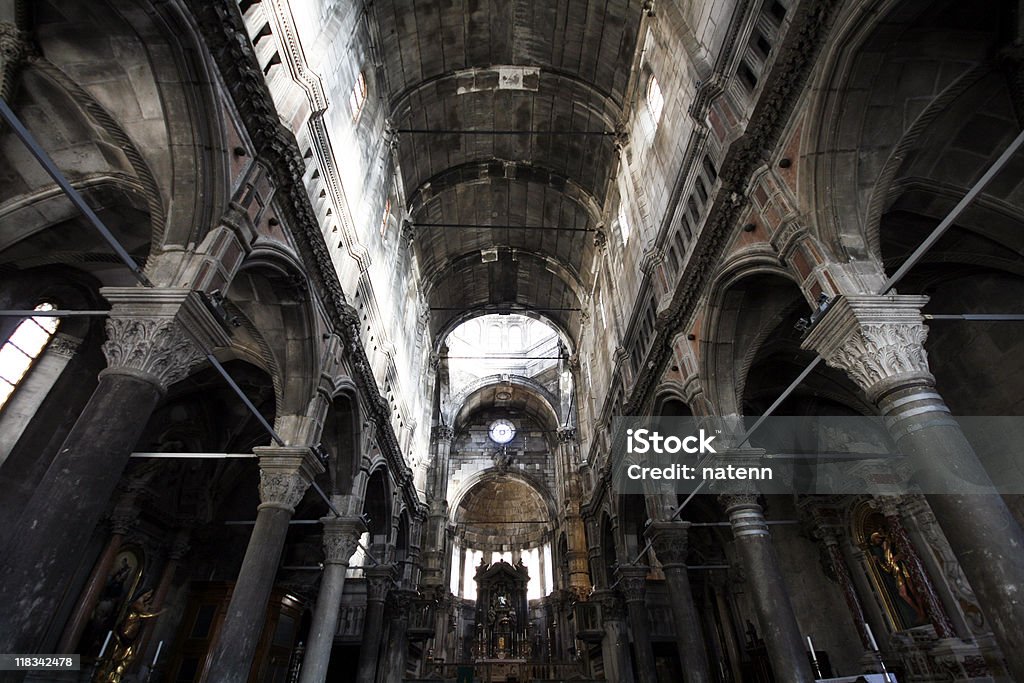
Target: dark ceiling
506,112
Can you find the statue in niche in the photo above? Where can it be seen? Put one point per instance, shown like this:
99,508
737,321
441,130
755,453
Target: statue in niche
894,565
125,645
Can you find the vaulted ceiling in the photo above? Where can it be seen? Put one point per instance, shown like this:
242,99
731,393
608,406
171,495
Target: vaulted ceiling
506,113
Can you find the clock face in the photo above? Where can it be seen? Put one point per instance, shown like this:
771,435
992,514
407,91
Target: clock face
502,431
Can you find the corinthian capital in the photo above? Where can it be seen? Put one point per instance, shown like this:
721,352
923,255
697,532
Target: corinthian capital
158,334
633,581
285,474
341,537
877,340
670,541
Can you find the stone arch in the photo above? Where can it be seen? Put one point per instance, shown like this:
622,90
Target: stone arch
539,403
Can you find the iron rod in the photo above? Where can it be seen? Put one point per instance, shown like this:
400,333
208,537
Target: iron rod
977,317
245,399
470,131
56,313
503,226
196,456
961,206
76,199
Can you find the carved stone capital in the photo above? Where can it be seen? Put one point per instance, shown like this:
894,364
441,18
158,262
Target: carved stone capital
158,334
399,601
877,340
633,582
341,538
567,435
670,541
442,433
64,345
612,606
378,582
285,474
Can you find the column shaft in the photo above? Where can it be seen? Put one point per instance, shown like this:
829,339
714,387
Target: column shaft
236,643
285,473
633,581
378,580
397,646
982,531
58,520
670,541
340,539
618,664
786,649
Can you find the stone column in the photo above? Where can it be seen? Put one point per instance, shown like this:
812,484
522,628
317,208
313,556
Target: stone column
341,536
670,540
842,573
437,517
378,584
285,474
618,663
150,345
121,523
889,506
398,604
786,648
633,584
879,342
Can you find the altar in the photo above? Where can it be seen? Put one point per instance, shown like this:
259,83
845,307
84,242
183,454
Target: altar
502,623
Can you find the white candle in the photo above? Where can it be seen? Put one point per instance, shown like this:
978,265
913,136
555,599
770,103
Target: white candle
105,643
810,646
159,647
871,637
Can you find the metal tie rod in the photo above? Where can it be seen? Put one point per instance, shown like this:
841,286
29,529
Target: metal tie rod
976,317
73,195
911,261
56,313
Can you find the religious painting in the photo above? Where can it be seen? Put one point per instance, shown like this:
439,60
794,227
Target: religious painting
889,571
115,598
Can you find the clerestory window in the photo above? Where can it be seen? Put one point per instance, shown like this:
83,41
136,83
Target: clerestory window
22,349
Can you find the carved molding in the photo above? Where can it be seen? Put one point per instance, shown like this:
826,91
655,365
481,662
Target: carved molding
285,474
341,538
154,347
64,345
670,541
633,582
876,340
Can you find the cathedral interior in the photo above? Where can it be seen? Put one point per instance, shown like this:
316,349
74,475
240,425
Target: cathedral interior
319,320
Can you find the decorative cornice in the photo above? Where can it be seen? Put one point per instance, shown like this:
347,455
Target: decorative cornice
784,85
224,33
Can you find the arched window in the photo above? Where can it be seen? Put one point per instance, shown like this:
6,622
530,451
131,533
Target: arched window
22,349
623,223
655,100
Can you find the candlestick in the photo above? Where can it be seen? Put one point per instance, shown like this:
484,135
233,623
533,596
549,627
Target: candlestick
871,637
105,643
159,647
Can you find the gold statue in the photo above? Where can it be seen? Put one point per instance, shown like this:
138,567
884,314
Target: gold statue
125,636
893,563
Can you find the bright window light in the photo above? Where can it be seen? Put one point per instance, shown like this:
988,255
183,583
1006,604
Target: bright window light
22,349
655,100
357,98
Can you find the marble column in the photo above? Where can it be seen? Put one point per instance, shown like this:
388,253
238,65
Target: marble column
670,541
618,663
378,584
879,342
842,574
285,474
150,345
341,537
632,581
786,648
395,651
121,523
